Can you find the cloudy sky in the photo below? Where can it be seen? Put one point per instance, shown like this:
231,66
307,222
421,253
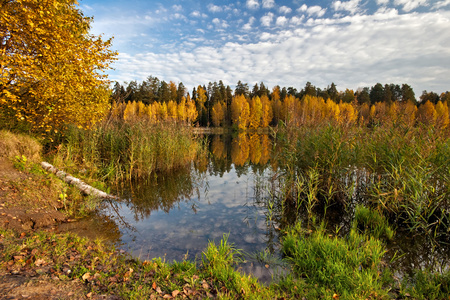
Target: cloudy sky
352,43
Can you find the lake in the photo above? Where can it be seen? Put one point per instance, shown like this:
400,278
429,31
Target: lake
174,216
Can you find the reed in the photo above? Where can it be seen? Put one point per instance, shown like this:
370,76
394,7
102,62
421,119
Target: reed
409,177
117,150
402,172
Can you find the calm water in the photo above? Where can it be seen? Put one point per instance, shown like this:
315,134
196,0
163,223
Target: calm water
174,216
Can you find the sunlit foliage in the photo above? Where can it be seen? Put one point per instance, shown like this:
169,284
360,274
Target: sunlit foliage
185,112
51,67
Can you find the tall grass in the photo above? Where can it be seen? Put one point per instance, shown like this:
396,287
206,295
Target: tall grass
117,150
402,172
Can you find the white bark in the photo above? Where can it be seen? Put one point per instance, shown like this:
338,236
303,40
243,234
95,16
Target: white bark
84,187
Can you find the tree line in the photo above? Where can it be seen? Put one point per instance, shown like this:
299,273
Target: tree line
218,105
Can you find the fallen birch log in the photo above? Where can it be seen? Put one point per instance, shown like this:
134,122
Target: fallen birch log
82,186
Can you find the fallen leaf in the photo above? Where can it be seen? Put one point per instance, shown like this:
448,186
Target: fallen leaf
335,296
39,262
86,276
89,295
175,293
158,290
154,285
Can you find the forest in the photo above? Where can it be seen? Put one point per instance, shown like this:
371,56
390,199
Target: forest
217,105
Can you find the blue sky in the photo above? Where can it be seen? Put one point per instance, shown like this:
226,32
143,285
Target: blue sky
352,43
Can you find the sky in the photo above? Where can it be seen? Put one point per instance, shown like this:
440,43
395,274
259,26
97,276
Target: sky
354,43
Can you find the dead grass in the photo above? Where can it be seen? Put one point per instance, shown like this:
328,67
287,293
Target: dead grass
14,144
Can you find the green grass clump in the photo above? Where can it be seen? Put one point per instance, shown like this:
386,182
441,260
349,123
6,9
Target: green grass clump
372,222
349,267
219,262
428,285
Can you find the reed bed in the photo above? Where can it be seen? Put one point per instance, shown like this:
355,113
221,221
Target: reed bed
116,150
402,172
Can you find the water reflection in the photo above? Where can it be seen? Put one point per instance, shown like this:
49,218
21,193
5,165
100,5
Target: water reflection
231,191
162,192
175,215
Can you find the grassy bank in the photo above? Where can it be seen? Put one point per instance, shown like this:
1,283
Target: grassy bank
323,267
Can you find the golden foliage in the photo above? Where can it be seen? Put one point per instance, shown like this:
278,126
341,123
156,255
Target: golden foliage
51,67
240,112
256,111
156,112
426,114
218,113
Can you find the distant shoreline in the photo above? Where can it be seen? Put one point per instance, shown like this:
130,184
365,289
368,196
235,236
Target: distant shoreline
226,130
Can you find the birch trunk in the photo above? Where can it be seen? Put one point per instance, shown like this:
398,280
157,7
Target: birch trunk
82,186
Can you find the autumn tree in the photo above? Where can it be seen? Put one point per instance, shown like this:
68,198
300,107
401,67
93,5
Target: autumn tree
442,116
201,108
267,114
218,113
426,114
240,111
255,112
51,67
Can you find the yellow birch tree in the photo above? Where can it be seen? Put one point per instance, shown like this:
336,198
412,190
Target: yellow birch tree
51,67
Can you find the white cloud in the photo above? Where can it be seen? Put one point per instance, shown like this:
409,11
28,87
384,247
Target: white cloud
303,8
197,14
177,7
441,4
179,16
281,21
267,19
409,5
266,36
297,20
316,10
86,7
312,10
214,8
220,23
351,6
248,25
285,10
382,2
268,3
253,4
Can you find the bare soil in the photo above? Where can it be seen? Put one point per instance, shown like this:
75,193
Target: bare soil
25,206
24,203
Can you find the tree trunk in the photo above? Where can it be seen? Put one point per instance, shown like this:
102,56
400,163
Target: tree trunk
82,186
